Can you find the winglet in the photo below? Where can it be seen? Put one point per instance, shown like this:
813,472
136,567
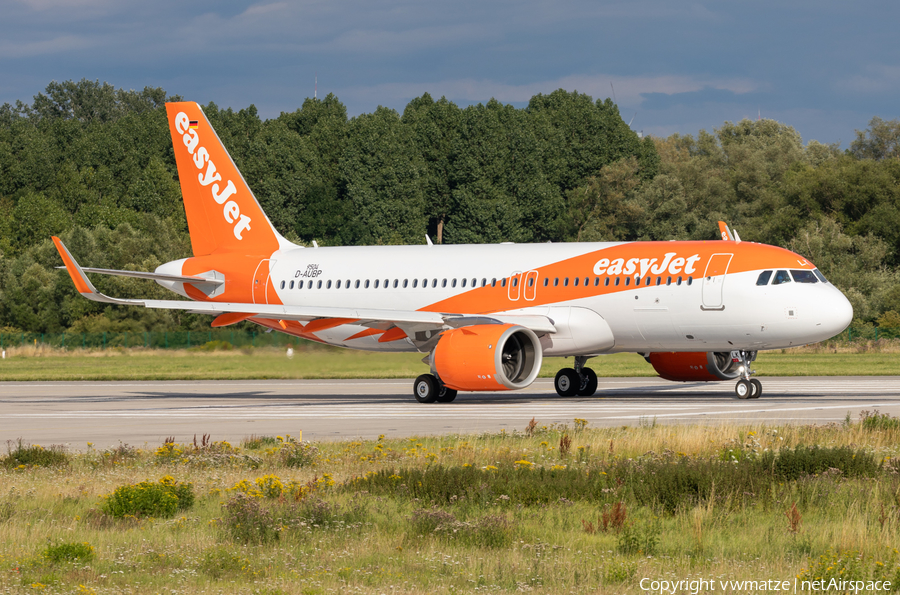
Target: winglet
725,232
82,283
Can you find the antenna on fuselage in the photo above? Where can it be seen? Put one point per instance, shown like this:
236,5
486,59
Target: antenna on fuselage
427,239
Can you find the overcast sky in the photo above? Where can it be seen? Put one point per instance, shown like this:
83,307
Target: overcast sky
824,66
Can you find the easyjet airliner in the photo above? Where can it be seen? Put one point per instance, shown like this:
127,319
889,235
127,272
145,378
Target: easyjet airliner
485,316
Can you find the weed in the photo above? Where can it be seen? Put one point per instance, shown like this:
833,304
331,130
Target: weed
149,499
294,453
615,518
565,445
794,518
34,455
69,552
249,521
255,442
639,539
878,421
619,572
219,562
802,460
488,531
529,429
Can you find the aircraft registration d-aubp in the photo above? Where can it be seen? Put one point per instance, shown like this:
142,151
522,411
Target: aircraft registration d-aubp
485,315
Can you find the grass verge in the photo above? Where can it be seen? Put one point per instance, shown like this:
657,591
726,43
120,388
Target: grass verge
30,364
550,509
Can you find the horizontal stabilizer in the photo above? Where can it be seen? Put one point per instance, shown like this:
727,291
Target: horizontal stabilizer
153,276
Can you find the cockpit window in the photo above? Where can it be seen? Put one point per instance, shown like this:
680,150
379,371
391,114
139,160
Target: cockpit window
764,277
803,276
781,277
820,276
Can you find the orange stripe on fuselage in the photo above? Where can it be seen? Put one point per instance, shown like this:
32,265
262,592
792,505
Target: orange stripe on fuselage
748,256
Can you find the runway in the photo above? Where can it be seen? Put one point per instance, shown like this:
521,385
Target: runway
139,413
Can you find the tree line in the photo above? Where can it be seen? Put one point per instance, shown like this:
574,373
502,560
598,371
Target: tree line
95,165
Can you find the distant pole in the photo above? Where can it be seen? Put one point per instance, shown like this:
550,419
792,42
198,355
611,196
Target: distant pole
316,88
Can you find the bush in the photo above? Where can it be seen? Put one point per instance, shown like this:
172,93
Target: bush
148,499
68,552
794,463
249,521
35,455
297,454
487,531
639,539
878,421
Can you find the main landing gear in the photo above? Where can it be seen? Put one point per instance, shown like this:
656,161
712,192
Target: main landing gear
579,381
746,387
428,389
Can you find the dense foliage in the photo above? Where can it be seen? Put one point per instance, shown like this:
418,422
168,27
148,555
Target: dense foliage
95,165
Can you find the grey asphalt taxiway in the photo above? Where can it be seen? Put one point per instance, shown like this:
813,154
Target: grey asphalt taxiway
138,413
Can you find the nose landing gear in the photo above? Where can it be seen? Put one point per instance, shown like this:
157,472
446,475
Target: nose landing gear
747,388
579,381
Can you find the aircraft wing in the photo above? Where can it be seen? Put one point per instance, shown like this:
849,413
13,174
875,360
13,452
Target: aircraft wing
232,312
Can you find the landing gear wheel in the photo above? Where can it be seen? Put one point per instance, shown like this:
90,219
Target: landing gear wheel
757,388
446,395
567,382
426,388
588,383
743,389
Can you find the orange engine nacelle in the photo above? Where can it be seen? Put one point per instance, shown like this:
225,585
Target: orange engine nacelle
487,357
695,366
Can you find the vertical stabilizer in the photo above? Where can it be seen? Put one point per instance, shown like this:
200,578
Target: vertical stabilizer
222,213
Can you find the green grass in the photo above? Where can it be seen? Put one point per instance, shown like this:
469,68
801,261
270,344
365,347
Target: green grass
319,362
499,513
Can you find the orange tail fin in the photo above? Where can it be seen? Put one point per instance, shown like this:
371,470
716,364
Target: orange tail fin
222,213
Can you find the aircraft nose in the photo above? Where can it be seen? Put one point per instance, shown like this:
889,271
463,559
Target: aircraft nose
838,312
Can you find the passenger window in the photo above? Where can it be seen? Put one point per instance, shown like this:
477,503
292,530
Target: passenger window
453,283
405,283
282,285
415,283
356,286
546,281
376,283
396,283
596,281
493,282
386,283
668,281
531,282
319,285
347,284
483,282
556,282
678,282
606,282
627,281
764,277
803,276
338,285
424,283
309,285
434,282
503,282
649,280
444,283
291,286
658,281
566,282
515,282
690,280
617,282
781,277
328,284
367,284
575,284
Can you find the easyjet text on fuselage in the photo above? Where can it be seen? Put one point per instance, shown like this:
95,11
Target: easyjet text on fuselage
641,267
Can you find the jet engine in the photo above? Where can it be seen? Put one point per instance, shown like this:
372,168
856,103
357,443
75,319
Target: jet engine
696,366
487,357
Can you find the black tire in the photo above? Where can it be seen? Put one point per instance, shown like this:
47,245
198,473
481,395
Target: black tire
446,395
757,388
567,382
426,388
743,389
588,383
